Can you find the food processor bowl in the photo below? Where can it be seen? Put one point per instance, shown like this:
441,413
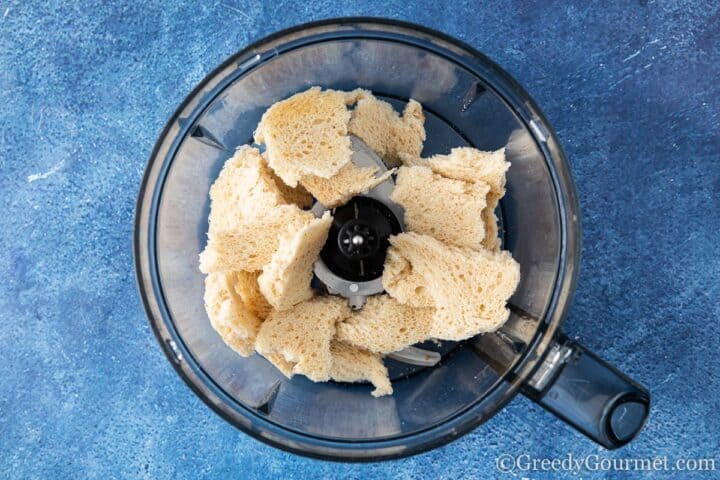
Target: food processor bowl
468,101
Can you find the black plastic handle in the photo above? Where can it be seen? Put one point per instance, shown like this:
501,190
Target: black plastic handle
589,394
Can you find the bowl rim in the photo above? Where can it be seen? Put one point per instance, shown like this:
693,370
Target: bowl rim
371,450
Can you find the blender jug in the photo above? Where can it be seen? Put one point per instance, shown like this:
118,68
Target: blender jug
468,101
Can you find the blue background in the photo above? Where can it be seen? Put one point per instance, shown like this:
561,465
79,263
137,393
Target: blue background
633,92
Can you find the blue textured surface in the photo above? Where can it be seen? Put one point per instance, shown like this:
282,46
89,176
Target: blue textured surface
85,391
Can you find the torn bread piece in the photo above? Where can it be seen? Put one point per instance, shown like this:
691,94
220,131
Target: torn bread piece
298,340
244,189
251,244
403,283
476,166
384,325
352,364
285,281
470,288
306,134
443,208
233,321
378,124
473,165
246,285
351,180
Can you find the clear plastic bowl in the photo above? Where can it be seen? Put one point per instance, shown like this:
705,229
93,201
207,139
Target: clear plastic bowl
468,100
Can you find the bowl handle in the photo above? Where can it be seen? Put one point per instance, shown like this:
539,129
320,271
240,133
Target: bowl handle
589,394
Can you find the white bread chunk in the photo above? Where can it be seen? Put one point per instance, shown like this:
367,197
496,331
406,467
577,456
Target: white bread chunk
473,165
384,325
443,208
244,189
249,211
351,180
352,364
298,340
246,285
285,281
378,124
469,288
251,244
306,134
230,318
403,283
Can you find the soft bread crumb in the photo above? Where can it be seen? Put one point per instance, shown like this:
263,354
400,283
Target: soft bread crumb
351,180
469,288
244,189
285,281
230,318
384,325
251,244
403,283
249,210
247,287
297,340
306,134
352,364
473,165
378,124
443,208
